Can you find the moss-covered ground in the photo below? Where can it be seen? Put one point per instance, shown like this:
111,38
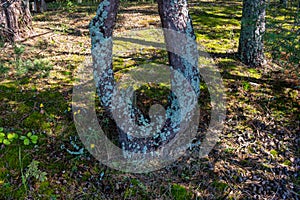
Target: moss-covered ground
256,157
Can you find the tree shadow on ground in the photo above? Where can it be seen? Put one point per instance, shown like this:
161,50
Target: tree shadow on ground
276,83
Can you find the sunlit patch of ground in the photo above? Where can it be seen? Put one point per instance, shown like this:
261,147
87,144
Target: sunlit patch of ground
257,155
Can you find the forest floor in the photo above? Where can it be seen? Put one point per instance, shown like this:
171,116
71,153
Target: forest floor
257,155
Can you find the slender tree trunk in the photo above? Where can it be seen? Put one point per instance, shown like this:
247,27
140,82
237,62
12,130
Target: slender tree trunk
283,3
40,6
252,31
15,20
174,17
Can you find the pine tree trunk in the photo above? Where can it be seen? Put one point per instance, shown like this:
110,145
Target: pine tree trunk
283,3
252,30
40,6
174,17
15,20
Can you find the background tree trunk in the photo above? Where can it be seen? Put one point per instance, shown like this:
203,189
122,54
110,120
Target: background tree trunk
15,20
252,31
283,3
40,6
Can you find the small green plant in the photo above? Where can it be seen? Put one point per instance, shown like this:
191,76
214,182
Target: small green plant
42,67
29,66
287,163
19,50
8,138
246,85
29,138
70,6
34,171
274,153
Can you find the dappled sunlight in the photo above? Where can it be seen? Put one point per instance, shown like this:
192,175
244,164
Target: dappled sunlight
256,156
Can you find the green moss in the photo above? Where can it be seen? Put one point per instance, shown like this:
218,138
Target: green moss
129,193
229,150
180,193
287,163
20,193
46,126
10,157
46,189
10,169
220,186
217,26
274,153
86,176
254,73
34,120
246,85
136,190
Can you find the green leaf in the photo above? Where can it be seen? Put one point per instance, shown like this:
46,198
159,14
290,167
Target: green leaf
26,141
1,129
34,137
2,135
43,177
29,134
6,142
16,136
34,141
10,136
23,179
1,140
23,137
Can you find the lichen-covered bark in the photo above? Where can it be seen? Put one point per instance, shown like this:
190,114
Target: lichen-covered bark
252,31
101,29
174,16
15,19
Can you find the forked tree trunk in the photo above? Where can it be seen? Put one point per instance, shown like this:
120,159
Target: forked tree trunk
252,30
175,17
15,20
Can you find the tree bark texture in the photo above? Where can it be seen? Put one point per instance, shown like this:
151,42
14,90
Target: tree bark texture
15,20
40,6
174,16
252,30
283,3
